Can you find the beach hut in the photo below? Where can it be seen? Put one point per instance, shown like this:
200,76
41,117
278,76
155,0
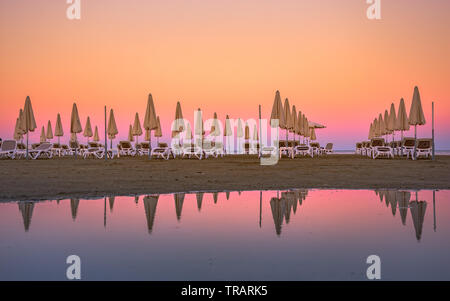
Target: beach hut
137,129
150,121
59,132
416,115
28,122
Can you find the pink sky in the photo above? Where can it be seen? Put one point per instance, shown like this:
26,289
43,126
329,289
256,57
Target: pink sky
334,64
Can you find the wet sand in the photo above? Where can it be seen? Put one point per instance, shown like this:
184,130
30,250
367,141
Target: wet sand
67,177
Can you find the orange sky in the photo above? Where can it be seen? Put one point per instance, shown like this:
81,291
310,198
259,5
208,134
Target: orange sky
334,64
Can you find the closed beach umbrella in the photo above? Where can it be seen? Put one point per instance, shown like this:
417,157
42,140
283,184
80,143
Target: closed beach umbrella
375,128
215,127
416,116
74,203
59,132
137,129
403,198
370,131
386,122
17,131
381,130
278,208
188,132
287,118
313,134
158,131
49,131
294,121
112,127
392,121
43,136
247,131
277,112
150,121
307,131
96,137
402,118
199,130
130,134
255,134
418,209
299,125
147,135
28,121
239,133
228,132
26,208
178,125
316,125
75,124
88,129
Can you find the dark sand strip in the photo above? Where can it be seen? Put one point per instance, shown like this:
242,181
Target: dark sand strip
67,177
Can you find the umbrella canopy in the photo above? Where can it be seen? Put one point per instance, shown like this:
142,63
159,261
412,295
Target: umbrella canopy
386,122
178,124
158,131
316,125
74,203
26,208
199,196
188,132
59,132
402,118
199,129
228,129
247,131
28,121
49,131
294,120
147,135
137,129
288,115
299,123
112,127
130,134
278,208
381,126
255,133
375,128
88,129
215,127
416,116
277,112
392,121
75,124
150,122
17,131
240,129
43,136
370,136
313,134
179,200
418,209
96,137
307,132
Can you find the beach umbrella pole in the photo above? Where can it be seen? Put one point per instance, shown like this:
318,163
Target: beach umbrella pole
260,146
415,141
27,145
434,209
432,129
106,141
260,207
150,145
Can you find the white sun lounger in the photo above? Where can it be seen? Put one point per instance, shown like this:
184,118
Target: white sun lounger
8,149
44,149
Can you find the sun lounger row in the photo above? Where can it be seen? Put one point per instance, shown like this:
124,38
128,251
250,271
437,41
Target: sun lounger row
378,148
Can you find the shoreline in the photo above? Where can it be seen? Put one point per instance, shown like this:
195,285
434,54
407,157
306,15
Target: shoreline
63,178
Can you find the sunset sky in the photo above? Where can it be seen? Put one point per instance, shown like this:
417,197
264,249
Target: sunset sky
334,64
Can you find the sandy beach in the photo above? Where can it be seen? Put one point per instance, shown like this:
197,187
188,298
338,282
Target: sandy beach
67,177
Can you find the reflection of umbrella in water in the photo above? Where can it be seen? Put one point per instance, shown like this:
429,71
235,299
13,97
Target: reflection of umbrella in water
74,207
391,196
179,199
227,195
26,208
150,203
278,209
199,196
403,198
111,203
136,199
215,197
418,209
